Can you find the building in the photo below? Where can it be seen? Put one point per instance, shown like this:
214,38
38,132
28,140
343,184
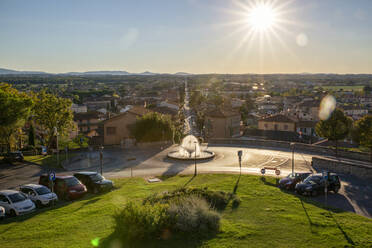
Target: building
222,124
355,112
277,122
115,129
88,121
79,108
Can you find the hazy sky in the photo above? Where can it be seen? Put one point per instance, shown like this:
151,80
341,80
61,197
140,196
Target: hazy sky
199,36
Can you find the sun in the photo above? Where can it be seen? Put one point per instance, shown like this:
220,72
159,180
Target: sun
262,17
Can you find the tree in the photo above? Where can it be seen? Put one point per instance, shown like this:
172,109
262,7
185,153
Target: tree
31,136
153,127
335,128
15,108
362,132
52,111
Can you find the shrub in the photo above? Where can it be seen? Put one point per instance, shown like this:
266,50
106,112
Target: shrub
216,199
194,215
142,221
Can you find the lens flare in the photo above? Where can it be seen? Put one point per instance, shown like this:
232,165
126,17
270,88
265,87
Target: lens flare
327,106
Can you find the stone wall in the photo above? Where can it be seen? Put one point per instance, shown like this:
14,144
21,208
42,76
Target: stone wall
321,150
361,170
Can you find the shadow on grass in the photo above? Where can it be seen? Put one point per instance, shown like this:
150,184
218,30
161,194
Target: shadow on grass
348,239
168,240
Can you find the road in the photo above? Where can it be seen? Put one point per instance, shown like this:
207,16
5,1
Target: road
355,195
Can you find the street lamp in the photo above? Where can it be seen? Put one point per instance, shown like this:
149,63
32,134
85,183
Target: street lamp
101,158
292,144
195,172
55,131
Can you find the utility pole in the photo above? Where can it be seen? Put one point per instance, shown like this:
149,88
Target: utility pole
195,172
293,147
101,158
56,134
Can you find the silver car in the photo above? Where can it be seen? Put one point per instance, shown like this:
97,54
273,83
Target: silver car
39,194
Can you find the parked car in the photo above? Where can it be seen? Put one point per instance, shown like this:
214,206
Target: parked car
2,213
66,187
15,203
94,181
291,180
39,194
11,157
315,184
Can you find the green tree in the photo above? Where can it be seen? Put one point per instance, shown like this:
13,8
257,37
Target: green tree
31,136
15,108
153,127
335,128
362,132
52,111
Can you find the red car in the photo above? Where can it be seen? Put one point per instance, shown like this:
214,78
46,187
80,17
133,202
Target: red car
291,180
66,187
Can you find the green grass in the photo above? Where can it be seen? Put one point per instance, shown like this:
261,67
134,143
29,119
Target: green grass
266,217
47,160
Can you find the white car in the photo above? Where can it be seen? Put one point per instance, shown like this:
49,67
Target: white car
15,203
2,213
39,194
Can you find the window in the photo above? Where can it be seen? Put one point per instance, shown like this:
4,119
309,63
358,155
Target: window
111,130
3,198
266,126
286,127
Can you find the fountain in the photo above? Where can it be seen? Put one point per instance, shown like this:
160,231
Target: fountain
190,150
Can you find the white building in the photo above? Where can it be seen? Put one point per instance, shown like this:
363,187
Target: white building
79,108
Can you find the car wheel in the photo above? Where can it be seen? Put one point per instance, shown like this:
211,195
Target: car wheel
95,190
336,189
12,213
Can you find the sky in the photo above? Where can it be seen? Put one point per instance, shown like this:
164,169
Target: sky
195,36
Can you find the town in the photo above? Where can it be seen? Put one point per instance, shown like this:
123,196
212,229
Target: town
243,123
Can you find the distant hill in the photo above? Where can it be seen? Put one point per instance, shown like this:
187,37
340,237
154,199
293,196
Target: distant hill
182,73
14,72
116,73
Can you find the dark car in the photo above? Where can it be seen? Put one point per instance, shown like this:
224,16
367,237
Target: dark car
94,181
66,187
291,180
315,184
13,157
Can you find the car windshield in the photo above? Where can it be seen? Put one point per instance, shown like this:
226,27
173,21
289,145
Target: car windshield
314,179
17,197
72,181
42,190
96,177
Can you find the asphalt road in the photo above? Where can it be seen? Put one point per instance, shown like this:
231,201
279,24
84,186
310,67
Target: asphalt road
355,195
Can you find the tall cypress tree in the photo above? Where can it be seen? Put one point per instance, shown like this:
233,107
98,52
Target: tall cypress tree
31,136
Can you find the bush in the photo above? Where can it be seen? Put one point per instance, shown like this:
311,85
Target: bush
142,221
191,215
216,199
194,215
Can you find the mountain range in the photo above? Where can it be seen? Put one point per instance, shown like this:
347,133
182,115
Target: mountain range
87,73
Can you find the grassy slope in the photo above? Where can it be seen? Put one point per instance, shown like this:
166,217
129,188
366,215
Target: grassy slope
48,160
266,217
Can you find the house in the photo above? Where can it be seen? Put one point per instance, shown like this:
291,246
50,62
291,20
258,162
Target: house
88,121
115,129
79,108
355,112
169,104
306,128
222,123
277,122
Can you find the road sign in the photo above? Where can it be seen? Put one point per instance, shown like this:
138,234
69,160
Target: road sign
277,172
240,153
52,176
43,150
263,171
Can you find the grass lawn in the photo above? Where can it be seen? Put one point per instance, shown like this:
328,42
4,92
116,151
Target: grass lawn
266,217
48,160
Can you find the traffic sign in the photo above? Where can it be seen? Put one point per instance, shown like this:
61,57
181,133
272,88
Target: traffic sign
277,172
52,176
263,171
240,153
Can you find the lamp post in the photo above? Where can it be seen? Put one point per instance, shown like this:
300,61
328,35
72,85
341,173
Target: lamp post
101,158
56,134
293,147
195,172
